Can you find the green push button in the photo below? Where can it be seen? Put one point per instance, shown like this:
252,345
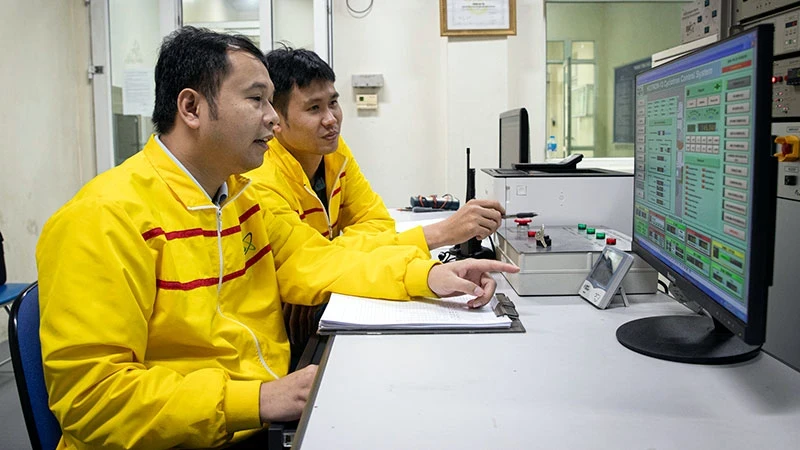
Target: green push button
600,235
581,226
590,231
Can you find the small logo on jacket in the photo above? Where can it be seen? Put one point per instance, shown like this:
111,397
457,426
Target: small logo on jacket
248,242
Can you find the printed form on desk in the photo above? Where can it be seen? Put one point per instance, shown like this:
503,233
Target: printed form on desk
346,312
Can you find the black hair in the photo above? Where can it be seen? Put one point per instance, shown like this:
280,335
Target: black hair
289,67
193,58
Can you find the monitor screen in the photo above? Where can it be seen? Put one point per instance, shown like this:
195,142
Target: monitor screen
703,202
514,138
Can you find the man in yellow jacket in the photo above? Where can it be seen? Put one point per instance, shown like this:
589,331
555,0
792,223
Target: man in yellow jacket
328,189
161,280
325,184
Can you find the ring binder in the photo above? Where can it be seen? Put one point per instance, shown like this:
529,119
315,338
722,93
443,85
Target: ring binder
505,307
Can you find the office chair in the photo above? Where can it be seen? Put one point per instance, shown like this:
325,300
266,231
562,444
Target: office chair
8,291
26,357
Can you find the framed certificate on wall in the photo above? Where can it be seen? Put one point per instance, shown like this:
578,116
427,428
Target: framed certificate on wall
478,18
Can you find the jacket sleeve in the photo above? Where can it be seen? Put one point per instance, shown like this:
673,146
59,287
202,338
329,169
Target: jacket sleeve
309,267
97,291
366,223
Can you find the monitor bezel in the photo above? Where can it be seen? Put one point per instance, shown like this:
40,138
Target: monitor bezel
763,205
524,136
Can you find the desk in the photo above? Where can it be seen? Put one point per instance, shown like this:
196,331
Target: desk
565,384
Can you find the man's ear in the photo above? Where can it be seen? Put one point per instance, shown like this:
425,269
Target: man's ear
281,124
189,106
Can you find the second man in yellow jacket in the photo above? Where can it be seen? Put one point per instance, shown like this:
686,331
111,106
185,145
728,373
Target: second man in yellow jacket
323,183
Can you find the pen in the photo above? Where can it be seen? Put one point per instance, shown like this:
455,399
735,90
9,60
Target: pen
419,209
521,215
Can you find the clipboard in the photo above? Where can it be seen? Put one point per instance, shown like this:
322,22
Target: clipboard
503,307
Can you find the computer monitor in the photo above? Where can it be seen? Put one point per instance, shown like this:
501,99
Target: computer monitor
514,138
704,198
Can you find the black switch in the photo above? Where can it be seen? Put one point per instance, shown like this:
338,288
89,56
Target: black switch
790,180
793,76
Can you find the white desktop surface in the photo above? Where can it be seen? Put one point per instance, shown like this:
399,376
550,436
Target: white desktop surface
565,384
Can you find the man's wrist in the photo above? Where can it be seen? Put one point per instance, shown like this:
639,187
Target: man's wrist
433,235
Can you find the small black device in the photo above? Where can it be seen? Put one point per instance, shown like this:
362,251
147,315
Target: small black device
705,198
514,138
471,248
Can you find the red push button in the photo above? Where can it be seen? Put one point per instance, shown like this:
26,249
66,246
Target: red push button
611,241
532,233
522,221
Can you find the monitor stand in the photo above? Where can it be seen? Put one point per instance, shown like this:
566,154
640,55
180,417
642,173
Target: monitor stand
694,339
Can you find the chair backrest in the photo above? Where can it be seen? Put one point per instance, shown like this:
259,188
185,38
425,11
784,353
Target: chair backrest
26,356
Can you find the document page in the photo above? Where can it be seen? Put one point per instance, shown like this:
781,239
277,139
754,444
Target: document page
346,312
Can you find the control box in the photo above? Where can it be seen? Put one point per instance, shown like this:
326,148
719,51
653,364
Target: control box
578,196
744,10
786,31
562,267
786,88
367,101
783,307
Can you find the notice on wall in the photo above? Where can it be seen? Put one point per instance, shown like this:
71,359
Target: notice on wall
478,15
699,19
138,92
624,101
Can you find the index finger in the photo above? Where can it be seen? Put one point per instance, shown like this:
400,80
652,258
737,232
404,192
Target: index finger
488,265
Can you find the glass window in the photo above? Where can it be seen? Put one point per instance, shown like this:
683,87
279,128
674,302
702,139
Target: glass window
555,51
587,104
294,23
232,16
582,50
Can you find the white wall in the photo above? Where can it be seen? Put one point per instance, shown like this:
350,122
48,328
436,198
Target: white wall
440,96
402,147
45,120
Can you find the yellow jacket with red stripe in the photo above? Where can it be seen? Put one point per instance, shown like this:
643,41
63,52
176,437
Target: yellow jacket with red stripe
161,312
358,217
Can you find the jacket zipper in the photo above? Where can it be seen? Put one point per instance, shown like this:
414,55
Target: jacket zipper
330,198
219,290
325,210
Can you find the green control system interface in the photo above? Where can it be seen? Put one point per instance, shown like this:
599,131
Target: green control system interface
693,173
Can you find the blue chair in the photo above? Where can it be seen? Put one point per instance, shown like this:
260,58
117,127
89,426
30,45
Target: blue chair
8,293
26,357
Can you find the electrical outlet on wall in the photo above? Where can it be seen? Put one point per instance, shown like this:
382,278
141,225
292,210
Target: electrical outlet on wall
367,101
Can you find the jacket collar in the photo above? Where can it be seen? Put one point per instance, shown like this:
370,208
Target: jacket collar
289,165
182,183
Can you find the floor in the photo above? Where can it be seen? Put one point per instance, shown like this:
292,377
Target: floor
13,435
